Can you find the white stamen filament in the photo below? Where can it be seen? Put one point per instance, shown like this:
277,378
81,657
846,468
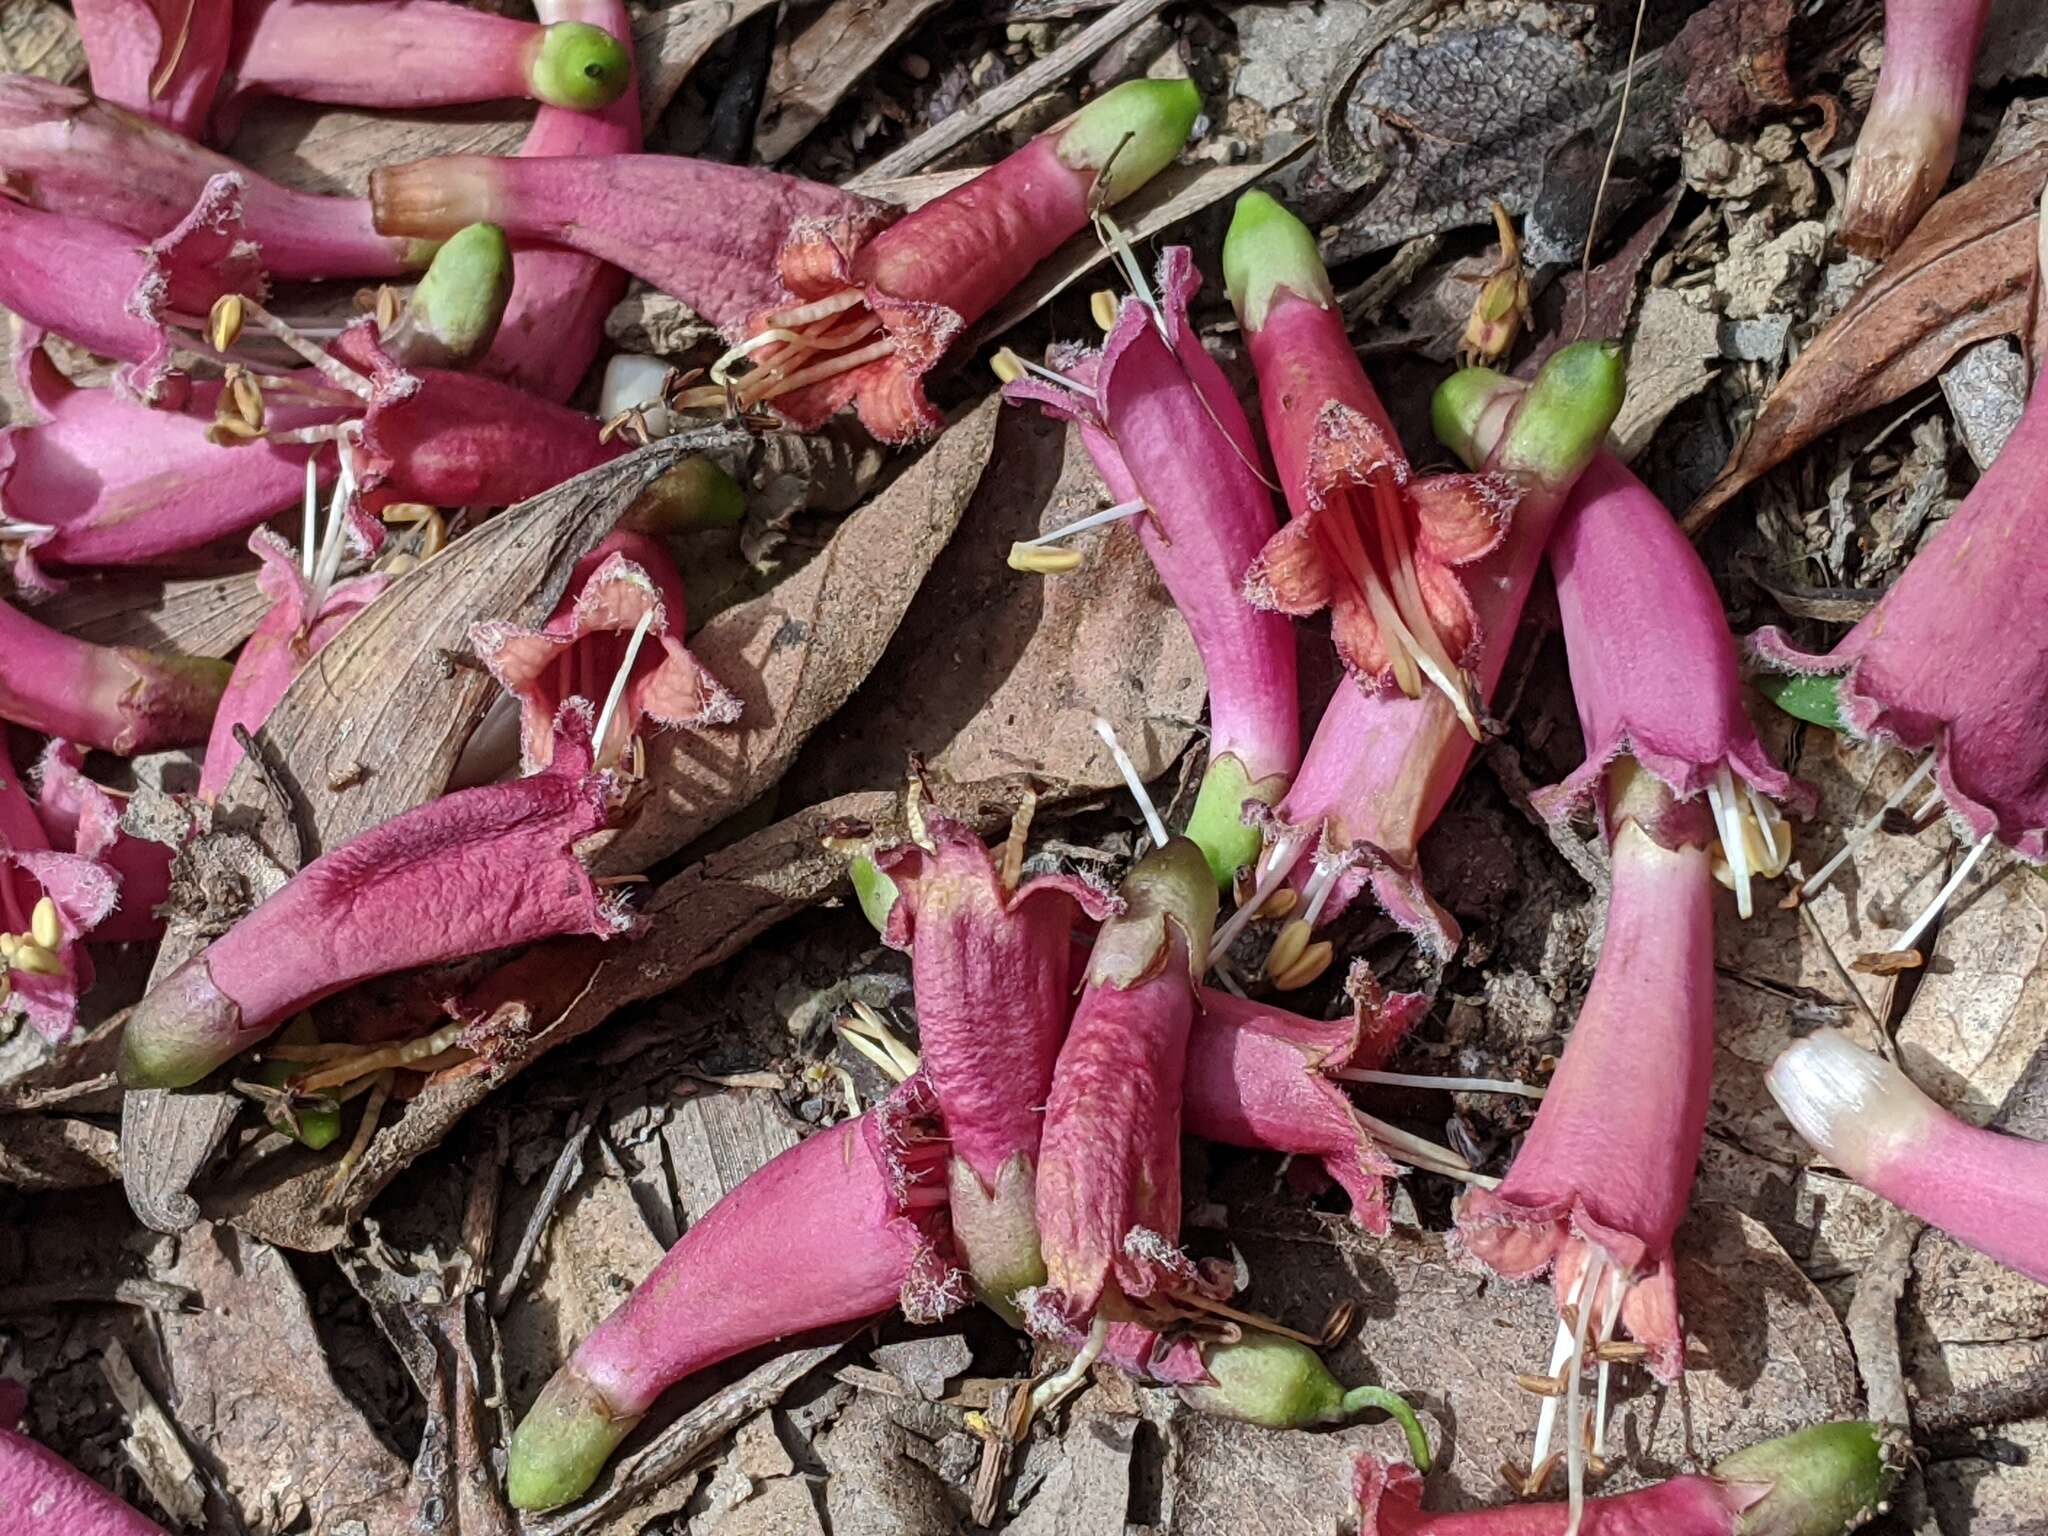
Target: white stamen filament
1560,1352
1813,883
329,367
1907,939
1417,1149
1574,1441
1734,845
9,529
1117,513
328,564
721,371
1276,864
1129,770
1055,1387
618,688
309,537
1050,375
1112,235
1320,884
1447,1084
1609,1316
1767,824
804,314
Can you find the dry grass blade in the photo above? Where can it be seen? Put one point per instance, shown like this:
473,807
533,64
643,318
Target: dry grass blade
1965,274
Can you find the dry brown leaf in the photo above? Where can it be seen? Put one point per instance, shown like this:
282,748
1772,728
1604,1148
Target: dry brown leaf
795,654
193,615
996,675
249,1380
1965,274
38,37
814,69
334,149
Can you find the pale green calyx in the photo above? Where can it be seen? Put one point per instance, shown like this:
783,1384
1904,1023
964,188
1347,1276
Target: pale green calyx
578,66
1823,1481
696,494
875,891
1217,825
1130,134
453,314
1268,249
1170,885
563,1442
1549,429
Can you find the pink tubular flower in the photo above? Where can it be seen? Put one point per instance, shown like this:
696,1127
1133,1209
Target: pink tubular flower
305,614
1381,767
85,818
1261,1077
1368,541
992,966
95,285
1109,1157
117,698
1947,660
405,55
1908,143
1163,426
554,324
872,315
63,152
41,1491
1869,1119
49,902
1603,1178
161,59
1822,1481
478,870
846,1224
103,480
625,587
1654,670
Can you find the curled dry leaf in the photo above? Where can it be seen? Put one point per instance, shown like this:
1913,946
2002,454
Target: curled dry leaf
1965,274
1029,660
795,654
371,729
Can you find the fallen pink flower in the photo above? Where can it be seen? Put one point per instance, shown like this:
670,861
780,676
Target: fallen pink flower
1109,1156
97,286
1655,672
625,589
161,59
1370,542
102,480
1264,1078
405,55
42,1492
1164,428
117,698
1604,1175
554,324
1948,660
49,902
85,818
873,312
1381,767
846,1224
306,613
1864,1115
993,973
475,871
66,153
1908,143
1823,1481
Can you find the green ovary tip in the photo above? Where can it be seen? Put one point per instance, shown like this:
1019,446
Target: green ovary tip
578,66
1131,134
562,1444
1216,825
1268,249
1551,430
875,891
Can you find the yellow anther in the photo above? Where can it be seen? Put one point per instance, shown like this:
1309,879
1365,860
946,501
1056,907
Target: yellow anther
9,942
1103,305
44,926
1280,903
37,961
1288,948
230,431
386,307
407,512
399,564
1313,962
246,396
1043,559
224,323
1007,366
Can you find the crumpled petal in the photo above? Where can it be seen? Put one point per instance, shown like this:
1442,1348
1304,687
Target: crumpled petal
85,818
583,644
285,639
84,892
161,59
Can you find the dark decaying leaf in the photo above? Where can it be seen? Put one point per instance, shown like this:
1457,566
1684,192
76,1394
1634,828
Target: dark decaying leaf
822,61
671,40
996,676
372,729
1966,273
795,654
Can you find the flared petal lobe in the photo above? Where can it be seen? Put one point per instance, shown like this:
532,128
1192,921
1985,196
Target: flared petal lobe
49,902
84,818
